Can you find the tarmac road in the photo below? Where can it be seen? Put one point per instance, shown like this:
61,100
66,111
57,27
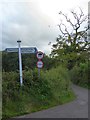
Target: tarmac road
75,109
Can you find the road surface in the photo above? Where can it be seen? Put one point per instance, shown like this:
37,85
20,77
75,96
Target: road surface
75,109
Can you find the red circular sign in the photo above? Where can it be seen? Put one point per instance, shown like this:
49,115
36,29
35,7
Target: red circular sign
39,64
40,55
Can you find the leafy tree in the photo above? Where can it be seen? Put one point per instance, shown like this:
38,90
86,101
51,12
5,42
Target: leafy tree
10,62
72,41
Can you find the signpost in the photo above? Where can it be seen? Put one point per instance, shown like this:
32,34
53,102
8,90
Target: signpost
39,64
20,62
20,50
23,50
39,55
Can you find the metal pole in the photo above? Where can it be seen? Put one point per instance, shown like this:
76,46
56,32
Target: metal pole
20,62
39,72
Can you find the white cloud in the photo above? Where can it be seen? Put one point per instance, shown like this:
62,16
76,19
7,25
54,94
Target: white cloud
34,21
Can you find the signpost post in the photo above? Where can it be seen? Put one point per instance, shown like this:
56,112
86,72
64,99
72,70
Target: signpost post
28,50
39,63
20,62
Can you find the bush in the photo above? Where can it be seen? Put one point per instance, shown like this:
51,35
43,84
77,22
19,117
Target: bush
80,74
34,92
10,85
59,82
51,88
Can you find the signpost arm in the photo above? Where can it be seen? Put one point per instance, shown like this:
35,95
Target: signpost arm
20,63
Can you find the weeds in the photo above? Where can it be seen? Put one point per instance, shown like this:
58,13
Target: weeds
52,88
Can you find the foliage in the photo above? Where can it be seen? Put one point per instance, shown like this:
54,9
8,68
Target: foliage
10,62
48,62
59,83
71,44
51,88
80,74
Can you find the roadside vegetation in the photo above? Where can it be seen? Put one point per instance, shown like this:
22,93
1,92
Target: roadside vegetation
68,63
37,93
81,75
72,48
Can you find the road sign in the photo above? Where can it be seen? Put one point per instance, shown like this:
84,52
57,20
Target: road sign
23,50
39,64
40,55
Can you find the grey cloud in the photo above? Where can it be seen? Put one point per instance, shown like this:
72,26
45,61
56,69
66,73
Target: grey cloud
26,22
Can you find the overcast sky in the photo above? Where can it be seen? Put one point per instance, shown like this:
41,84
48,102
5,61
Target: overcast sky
34,22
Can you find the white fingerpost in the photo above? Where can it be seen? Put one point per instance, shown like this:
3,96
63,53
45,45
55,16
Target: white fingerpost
20,62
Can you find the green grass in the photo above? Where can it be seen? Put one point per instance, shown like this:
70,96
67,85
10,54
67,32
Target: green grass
51,89
17,108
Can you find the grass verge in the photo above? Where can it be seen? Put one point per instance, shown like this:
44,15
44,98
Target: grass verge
51,89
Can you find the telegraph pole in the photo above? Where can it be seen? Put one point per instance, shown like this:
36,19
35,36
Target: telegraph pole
20,62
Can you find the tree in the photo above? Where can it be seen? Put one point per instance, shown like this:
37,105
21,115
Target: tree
10,62
72,41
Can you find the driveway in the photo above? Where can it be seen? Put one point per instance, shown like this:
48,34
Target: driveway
75,109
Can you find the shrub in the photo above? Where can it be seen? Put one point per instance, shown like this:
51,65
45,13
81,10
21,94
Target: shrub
59,82
51,88
80,74
10,84
27,77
